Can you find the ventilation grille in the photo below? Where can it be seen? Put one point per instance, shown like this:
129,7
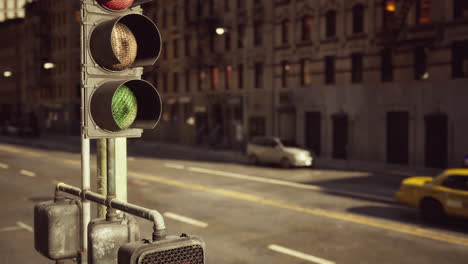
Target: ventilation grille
184,255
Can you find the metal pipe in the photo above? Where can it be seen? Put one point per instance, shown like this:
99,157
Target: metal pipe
85,185
111,183
101,174
151,215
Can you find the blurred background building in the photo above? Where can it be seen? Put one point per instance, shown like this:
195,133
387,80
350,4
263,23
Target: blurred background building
376,80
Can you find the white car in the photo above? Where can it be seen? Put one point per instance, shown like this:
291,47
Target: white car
272,150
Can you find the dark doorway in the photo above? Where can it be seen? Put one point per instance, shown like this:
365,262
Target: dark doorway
397,137
287,125
201,125
257,126
340,136
313,128
436,140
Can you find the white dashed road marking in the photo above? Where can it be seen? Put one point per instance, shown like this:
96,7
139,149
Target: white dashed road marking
4,166
25,226
18,226
285,183
298,254
185,219
174,166
28,173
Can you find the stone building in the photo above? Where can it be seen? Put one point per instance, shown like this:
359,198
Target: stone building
376,80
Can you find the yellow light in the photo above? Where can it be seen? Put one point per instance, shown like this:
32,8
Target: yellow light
125,46
391,6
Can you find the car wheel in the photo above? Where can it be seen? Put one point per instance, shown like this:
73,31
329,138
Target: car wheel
285,163
432,211
253,159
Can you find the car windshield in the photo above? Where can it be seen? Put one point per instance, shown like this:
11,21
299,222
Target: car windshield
289,143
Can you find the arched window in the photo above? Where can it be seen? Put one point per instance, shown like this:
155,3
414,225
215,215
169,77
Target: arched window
306,28
330,21
285,32
358,18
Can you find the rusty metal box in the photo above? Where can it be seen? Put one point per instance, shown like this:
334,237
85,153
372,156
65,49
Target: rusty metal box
106,237
57,229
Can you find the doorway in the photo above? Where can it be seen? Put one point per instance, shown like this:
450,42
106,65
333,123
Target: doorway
312,133
397,137
436,139
340,136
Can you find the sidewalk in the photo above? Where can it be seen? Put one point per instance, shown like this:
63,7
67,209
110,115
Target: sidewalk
69,143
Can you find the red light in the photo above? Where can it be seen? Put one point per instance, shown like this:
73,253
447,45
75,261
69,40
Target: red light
118,4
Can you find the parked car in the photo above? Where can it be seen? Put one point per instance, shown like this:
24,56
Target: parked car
273,150
438,197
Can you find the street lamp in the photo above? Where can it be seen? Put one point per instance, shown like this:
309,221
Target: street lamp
7,74
49,65
220,30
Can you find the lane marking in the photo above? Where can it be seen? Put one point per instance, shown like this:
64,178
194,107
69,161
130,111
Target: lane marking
11,228
185,219
33,154
25,226
368,221
298,254
72,162
28,173
9,149
4,166
174,166
287,183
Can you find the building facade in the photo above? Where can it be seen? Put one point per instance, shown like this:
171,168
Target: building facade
376,80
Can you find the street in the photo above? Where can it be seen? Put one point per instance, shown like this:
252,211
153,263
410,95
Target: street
245,214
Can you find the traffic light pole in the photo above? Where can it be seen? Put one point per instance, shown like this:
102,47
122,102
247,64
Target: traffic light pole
101,174
86,186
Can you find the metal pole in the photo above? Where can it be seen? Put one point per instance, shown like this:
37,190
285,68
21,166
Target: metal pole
111,183
159,227
85,185
121,168
101,157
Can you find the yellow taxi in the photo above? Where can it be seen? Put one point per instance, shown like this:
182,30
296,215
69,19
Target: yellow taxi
438,197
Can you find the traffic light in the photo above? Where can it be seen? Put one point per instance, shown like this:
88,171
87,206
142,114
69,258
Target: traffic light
117,41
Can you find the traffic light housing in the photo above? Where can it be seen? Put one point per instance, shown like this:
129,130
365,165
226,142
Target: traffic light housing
117,41
171,250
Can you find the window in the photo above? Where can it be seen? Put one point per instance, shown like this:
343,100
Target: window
423,11
175,47
200,79
258,68
420,64
285,68
174,16
228,77
187,45
460,8
358,19
356,68
240,76
240,36
226,5
164,82
257,31
329,70
306,75
460,59
164,51
285,32
164,18
330,22
176,82
306,28
389,11
387,65
240,4
187,81
186,11
214,78
227,40
211,7
457,182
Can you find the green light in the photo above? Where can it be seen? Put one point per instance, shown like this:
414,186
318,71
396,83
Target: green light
124,107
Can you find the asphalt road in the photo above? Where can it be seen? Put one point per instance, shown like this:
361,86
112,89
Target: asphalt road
245,214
